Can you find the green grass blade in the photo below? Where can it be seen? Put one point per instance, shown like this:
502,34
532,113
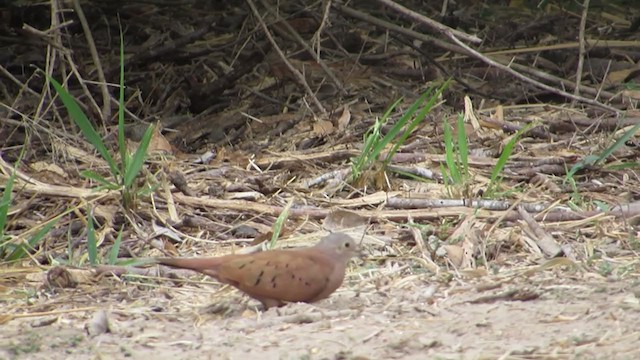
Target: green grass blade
619,143
78,116
136,262
370,138
446,179
593,159
399,126
374,145
426,108
624,166
500,164
138,158
21,250
89,174
277,227
70,254
371,148
5,203
92,242
504,157
450,156
121,106
588,160
463,149
115,250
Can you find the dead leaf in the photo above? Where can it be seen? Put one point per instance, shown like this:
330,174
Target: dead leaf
323,127
60,277
344,119
106,212
634,94
159,143
169,248
469,115
468,248
41,166
44,322
342,219
99,324
79,276
617,77
455,253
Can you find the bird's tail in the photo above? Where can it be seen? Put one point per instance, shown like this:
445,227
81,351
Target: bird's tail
204,265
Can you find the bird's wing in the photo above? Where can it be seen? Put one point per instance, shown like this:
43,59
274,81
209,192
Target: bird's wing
281,275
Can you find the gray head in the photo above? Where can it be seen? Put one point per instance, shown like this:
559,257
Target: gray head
339,244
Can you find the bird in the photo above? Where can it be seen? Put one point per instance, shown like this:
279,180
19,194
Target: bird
277,277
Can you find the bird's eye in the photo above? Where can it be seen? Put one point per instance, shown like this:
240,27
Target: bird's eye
347,245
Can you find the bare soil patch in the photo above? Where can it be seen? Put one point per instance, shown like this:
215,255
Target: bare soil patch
585,317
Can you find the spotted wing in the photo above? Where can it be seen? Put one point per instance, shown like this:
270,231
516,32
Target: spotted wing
280,275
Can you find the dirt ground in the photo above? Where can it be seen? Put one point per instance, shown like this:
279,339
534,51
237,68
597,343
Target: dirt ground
554,314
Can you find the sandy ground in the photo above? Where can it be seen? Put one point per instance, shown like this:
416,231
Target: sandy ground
556,315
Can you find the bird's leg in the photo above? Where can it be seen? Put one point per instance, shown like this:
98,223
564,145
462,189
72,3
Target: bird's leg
269,303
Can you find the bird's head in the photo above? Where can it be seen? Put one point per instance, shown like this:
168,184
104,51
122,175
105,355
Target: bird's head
340,244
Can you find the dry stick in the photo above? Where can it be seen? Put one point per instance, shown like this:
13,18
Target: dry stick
429,22
563,82
593,44
294,71
456,49
451,34
536,83
398,29
581,41
317,36
306,46
410,33
106,98
622,211
51,57
54,46
23,123
31,185
44,35
602,83
148,52
268,98
81,82
626,210
22,86
545,242
8,317
456,77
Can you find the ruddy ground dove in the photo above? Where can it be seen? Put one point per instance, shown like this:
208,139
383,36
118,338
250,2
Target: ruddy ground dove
279,276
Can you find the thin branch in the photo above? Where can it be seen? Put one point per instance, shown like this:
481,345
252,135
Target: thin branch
552,79
427,39
10,76
300,40
451,34
106,98
443,29
301,80
583,23
536,83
